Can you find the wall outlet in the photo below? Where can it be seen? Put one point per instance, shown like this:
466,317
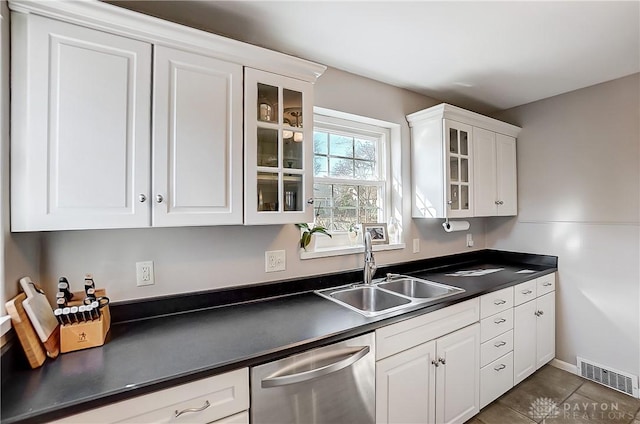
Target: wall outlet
274,260
469,240
144,273
416,245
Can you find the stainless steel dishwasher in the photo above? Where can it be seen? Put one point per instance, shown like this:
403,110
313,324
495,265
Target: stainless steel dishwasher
328,385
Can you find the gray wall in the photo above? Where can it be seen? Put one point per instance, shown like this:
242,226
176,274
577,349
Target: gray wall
190,259
578,194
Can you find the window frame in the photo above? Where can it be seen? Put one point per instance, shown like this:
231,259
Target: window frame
352,125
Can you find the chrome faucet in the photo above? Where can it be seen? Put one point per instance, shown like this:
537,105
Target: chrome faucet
369,262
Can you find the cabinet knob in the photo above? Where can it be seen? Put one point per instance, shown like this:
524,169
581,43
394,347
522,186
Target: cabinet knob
310,201
442,361
449,202
142,198
497,202
159,198
435,362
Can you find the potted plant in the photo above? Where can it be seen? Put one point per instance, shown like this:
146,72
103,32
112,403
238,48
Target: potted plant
308,232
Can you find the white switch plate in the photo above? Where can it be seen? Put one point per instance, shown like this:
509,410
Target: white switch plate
275,260
144,273
469,240
416,245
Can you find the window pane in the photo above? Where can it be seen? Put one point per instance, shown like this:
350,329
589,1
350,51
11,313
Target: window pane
320,166
320,142
323,217
322,191
365,169
341,145
368,196
341,168
368,215
344,218
365,149
345,195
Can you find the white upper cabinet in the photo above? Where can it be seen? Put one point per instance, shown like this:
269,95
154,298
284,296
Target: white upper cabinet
278,121
197,140
122,120
463,164
80,147
495,175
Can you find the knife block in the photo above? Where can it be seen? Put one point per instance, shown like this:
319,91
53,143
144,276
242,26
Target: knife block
86,334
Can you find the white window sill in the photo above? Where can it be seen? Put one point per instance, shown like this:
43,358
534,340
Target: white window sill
324,252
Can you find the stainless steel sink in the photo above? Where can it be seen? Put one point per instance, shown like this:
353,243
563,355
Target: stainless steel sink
394,293
421,289
368,299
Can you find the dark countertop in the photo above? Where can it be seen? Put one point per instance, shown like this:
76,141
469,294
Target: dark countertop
146,355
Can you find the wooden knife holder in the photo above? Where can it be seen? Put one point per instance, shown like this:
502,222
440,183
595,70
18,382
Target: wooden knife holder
85,334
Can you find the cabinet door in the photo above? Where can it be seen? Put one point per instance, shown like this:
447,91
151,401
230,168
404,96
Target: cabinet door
458,376
459,169
278,119
197,136
81,141
524,341
545,329
485,178
507,175
405,386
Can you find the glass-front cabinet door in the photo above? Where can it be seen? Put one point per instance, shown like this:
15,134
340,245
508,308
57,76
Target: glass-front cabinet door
459,193
278,149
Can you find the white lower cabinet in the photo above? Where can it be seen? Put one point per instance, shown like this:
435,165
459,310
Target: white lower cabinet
497,378
496,351
434,380
534,330
224,397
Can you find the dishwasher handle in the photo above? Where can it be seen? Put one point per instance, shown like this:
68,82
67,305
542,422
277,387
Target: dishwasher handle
315,373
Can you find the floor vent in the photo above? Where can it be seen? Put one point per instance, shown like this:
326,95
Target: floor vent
617,380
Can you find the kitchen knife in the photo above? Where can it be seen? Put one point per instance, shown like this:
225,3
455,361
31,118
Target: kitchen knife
41,316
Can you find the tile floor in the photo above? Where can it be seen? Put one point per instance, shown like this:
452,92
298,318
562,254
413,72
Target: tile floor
577,401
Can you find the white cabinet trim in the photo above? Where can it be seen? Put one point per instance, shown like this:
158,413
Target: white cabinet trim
117,20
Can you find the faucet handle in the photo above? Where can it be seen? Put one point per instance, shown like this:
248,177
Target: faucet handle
391,275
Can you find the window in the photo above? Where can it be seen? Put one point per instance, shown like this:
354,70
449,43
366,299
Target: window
351,172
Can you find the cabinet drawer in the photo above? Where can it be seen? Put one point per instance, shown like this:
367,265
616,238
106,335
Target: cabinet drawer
496,324
525,292
227,394
496,379
403,335
546,284
496,347
495,302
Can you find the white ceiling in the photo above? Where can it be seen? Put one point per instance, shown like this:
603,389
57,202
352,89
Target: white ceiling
482,55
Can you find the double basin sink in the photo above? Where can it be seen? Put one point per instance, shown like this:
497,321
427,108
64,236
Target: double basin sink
396,292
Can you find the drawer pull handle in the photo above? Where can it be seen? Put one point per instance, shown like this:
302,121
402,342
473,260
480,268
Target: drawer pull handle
499,344
500,320
188,410
526,292
499,302
547,284
500,367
